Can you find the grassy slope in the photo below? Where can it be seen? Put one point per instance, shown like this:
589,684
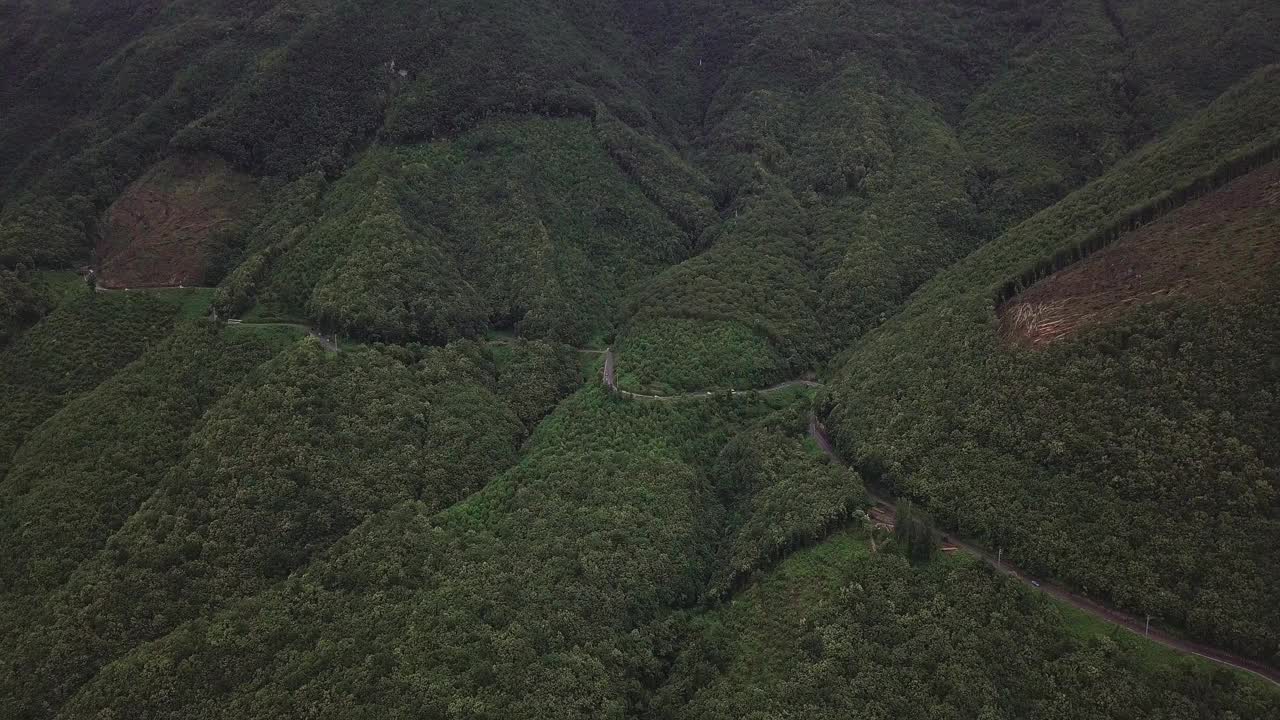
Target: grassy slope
1129,461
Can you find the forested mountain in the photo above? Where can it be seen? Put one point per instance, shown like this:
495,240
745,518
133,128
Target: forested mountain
562,358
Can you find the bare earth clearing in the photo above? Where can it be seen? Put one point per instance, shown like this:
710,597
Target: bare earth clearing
1220,245
161,230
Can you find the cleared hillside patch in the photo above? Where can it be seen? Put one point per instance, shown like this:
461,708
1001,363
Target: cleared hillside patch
164,228
1136,461
1218,245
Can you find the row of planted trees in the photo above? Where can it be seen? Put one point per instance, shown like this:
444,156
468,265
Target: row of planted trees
1139,216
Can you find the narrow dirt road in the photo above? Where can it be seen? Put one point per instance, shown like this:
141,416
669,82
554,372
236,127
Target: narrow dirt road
821,438
1133,624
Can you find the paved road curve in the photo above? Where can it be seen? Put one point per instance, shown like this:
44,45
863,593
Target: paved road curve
819,435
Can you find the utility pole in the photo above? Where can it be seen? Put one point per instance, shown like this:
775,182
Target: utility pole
999,554
1147,631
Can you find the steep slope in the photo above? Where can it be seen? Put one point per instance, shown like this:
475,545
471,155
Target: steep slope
409,522
1135,460
818,152
1217,246
890,138
82,473
77,346
164,228
842,630
278,89
858,149
100,90
281,468
524,597
504,225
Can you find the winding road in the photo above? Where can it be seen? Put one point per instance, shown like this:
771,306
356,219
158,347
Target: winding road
819,434
1058,592
1093,608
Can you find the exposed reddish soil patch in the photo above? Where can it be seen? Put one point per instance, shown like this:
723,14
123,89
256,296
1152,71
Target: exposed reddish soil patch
882,517
161,230
1219,245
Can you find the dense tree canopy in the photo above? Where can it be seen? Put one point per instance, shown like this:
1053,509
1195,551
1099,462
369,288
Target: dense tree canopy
1138,460
208,512
851,632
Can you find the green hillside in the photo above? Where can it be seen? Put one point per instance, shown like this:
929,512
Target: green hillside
644,360
841,630
1136,461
